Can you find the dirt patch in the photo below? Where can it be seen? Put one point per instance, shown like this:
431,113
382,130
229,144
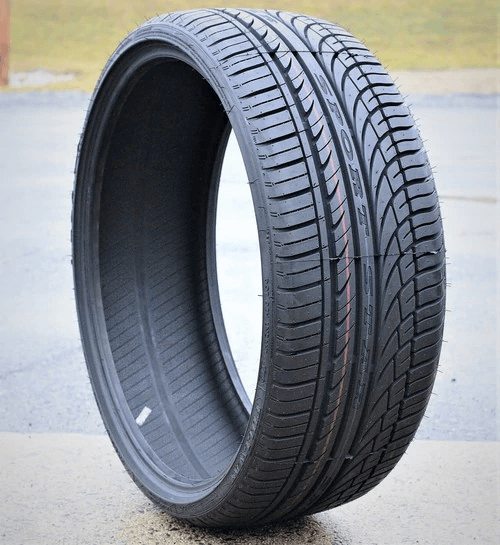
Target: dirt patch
156,526
38,78
469,81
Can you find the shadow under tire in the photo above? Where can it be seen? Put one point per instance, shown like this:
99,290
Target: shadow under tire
352,254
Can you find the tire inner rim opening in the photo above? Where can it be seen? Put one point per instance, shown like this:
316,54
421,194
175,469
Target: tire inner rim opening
173,366
238,267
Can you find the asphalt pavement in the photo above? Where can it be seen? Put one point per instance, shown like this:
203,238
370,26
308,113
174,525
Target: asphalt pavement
60,481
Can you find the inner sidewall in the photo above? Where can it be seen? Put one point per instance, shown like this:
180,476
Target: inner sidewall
157,281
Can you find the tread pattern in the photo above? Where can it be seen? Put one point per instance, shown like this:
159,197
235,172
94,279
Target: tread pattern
401,215
356,286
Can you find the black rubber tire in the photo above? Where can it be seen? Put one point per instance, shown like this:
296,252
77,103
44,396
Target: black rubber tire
352,252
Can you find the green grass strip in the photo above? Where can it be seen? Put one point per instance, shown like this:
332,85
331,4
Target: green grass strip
76,36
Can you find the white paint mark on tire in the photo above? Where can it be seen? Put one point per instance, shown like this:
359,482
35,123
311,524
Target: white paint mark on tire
143,415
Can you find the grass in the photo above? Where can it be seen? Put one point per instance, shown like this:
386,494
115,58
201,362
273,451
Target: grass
76,36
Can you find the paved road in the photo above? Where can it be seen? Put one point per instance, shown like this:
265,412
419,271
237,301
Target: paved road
60,481
43,385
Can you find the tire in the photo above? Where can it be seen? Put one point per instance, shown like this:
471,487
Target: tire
352,258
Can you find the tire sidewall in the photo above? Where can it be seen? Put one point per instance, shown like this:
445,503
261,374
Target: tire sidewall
146,44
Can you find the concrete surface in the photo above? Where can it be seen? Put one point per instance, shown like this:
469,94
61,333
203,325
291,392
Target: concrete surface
60,481
71,489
